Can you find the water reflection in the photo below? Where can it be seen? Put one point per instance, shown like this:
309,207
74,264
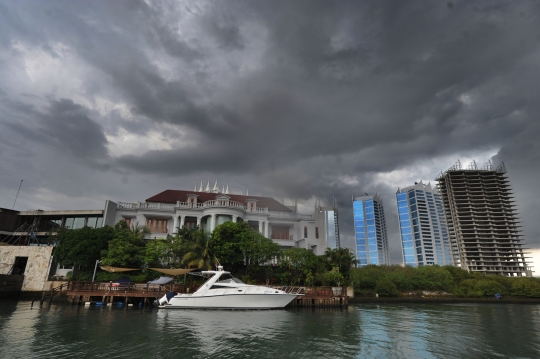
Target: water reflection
361,331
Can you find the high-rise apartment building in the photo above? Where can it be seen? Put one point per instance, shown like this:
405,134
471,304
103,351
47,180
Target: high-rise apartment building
424,235
370,230
482,220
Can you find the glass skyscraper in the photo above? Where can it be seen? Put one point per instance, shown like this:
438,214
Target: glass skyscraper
370,230
424,234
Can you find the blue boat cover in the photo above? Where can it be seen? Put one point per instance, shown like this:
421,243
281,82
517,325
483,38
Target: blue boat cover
170,295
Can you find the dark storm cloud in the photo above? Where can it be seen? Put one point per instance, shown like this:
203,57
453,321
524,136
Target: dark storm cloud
65,126
302,99
402,92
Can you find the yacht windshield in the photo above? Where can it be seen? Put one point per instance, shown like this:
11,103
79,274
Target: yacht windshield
227,278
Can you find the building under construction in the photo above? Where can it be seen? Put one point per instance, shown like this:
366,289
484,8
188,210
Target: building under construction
482,221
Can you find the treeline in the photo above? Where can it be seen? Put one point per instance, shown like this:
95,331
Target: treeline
258,260
396,281
238,248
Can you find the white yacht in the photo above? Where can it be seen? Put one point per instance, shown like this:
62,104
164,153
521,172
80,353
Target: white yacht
222,290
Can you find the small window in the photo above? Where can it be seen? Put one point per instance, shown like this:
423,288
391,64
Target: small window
305,232
317,232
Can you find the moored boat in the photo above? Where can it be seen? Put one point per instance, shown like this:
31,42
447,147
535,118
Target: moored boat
223,291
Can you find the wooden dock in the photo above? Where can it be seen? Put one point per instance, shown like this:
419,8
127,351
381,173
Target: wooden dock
143,294
319,297
140,294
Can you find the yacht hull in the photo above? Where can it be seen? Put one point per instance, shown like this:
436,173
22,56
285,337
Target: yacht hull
231,301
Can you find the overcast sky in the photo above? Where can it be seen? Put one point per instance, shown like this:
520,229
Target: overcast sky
310,99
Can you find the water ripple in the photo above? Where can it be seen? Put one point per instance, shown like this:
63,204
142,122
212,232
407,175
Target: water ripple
360,331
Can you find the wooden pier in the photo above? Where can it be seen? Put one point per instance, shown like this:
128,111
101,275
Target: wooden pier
319,297
143,294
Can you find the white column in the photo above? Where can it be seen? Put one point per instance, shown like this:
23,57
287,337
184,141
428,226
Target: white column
213,223
199,222
175,224
182,220
260,227
266,229
234,219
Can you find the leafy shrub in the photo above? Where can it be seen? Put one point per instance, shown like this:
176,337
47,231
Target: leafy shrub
386,288
401,279
488,287
528,287
431,278
366,278
466,288
332,278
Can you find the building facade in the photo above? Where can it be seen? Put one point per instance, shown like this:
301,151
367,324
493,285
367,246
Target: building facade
482,221
422,224
326,224
27,246
169,210
370,231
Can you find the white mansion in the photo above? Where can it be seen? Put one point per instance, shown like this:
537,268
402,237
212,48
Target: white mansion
169,210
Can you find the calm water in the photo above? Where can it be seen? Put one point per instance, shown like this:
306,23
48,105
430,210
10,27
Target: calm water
361,331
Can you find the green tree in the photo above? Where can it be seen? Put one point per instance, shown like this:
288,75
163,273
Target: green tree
166,252
200,252
332,277
300,262
228,244
81,247
258,250
342,258
127,248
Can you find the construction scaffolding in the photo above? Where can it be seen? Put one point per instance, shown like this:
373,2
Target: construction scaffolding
483,225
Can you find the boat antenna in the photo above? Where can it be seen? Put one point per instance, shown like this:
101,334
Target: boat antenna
17,195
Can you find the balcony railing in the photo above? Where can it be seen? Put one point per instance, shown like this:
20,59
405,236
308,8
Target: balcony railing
207,204
144,205
306,217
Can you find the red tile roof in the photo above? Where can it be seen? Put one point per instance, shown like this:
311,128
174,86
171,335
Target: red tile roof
172,196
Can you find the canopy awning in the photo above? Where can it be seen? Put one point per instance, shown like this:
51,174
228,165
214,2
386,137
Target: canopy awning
161,280
173,272
117,269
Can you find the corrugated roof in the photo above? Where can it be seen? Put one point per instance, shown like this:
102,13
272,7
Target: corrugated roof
172,196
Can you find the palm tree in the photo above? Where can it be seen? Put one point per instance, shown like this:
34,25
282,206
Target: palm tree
199,255
187,233
341,258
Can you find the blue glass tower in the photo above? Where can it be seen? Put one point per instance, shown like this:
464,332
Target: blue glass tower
370,230
424,234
